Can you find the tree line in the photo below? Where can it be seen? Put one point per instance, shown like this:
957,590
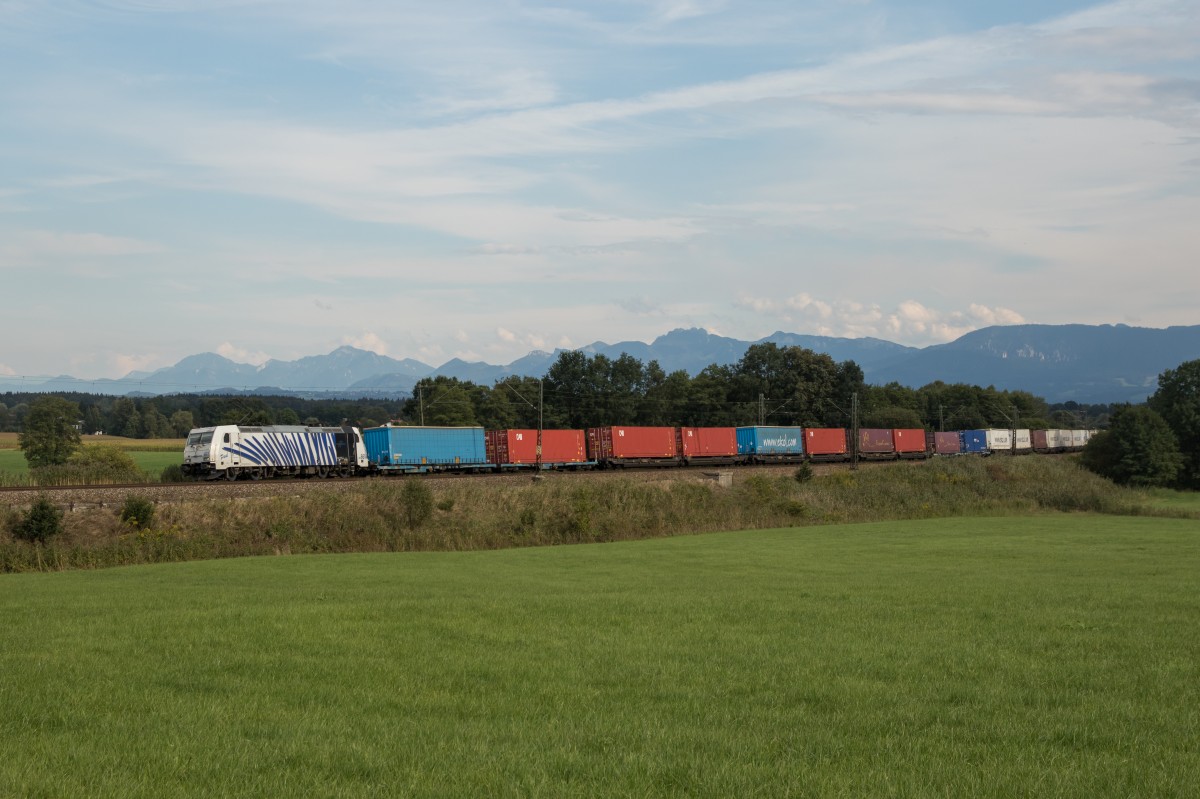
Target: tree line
770,385
172,416
1158,443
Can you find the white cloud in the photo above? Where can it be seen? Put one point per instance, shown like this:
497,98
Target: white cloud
124,364
369,342
21,247
909,322
240,355
506,335
5,370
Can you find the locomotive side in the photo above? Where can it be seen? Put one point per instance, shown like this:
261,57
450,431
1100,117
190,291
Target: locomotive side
232,452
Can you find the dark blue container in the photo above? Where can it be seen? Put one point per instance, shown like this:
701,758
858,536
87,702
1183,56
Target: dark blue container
974,440
771,442
426,448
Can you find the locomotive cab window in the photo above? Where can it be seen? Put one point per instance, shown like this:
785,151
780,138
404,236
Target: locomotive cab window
226,438
339,443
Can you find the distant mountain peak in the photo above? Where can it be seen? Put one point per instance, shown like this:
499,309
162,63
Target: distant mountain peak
1087,363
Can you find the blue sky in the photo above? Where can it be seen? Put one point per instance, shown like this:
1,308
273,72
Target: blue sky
479,179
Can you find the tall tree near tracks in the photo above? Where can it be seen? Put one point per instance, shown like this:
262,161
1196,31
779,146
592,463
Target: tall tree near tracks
50,435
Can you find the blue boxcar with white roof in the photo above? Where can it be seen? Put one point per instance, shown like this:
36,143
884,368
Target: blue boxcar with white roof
761,444
426,449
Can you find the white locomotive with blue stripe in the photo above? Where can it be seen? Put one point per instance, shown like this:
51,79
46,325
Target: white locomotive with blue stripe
233,452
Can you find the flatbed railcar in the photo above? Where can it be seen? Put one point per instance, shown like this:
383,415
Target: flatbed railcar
713,446
518,449
764,444
401,449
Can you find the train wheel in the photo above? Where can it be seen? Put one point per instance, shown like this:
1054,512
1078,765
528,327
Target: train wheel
231,474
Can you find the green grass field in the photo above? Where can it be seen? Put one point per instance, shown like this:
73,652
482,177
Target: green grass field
12,461
1048,656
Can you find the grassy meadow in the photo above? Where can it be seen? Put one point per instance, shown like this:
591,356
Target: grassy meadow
150,455
1049,656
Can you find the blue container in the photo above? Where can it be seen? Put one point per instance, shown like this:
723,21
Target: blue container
974,440
771,442
426,448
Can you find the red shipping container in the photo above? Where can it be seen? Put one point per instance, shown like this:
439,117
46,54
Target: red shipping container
824,441
947,443
631,443
708,442
520,446
910,440
1041,442
875,441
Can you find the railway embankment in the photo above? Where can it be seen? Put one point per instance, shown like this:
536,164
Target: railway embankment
198,521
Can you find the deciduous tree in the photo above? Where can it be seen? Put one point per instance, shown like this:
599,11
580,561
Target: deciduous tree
50,435
1137,449
1178,402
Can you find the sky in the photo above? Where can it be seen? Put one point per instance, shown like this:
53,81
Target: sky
482,178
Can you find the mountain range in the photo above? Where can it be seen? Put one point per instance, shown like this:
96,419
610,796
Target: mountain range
1085,363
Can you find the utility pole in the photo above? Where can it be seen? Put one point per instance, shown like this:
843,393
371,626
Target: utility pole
762,409
541,397
854,430
941,418
1016,418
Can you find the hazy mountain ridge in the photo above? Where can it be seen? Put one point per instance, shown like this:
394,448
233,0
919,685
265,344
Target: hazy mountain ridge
1087,363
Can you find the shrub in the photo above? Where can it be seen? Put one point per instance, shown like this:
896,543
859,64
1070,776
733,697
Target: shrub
138,512
40,523
417,500
171,474
803,473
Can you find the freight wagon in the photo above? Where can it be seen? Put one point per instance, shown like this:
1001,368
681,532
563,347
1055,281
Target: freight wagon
632,446
947,443
876,443
426,449
561,449
827,443
770,444
711,445
974,441
912,443
997,440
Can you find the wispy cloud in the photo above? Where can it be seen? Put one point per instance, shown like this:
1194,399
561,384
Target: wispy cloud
910,320
610,169
24,247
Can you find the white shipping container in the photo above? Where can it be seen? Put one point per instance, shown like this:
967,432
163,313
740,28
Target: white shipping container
1023,440
999,439
1078,438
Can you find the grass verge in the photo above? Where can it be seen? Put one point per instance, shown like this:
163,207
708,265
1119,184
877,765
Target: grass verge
1051,656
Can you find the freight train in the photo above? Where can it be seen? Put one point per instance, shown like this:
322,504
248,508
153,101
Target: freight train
234,452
